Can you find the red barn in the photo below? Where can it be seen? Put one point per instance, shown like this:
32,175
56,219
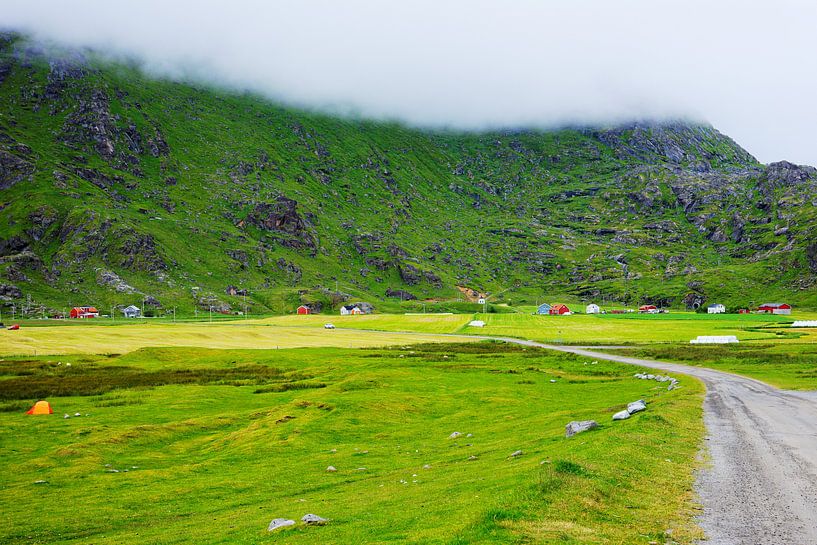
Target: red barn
648,309
303,309
775,308
559,309
84,312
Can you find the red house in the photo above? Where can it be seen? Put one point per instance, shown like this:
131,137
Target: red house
304,309
774,308
648,309
84,312
559,309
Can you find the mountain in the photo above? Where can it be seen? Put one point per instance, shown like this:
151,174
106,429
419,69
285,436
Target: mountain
116,187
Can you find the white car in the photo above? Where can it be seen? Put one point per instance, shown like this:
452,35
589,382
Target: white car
329,326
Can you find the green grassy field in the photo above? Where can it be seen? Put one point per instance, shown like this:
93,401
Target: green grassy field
574,329
785,365
118,337
108,339
210,445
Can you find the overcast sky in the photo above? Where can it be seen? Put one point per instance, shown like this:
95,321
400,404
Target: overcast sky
749,67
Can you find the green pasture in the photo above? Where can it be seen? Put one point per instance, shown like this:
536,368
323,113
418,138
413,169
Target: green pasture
784,365
193,445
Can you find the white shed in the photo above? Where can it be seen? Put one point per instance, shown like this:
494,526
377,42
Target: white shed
476,323
716,309
592,308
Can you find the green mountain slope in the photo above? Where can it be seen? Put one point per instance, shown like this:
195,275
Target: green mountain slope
115,187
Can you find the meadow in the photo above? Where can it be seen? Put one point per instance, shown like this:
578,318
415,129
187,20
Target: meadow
787,365
574,329
194,445
101,337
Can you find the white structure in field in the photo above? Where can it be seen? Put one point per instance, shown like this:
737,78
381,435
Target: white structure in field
592,308
716,309
476,323
804,323
714,339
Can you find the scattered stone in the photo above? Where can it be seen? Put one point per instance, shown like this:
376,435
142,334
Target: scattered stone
622,415
426,466
279,523
454,435
472,457
331,469
636,406
41,482
66,416
313,519
112,471
575,427
77,414
470,435
68,364
516,453
361,469
553,380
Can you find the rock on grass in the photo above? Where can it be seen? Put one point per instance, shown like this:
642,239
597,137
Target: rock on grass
579,426
279,523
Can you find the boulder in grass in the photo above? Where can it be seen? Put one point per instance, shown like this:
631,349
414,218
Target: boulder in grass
331,469
454,435
579,426
622,415
314,520
636,406
279,523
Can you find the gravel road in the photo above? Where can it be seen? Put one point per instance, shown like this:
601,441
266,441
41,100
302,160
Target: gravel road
761,487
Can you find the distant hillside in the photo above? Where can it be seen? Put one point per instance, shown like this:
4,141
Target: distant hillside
116,187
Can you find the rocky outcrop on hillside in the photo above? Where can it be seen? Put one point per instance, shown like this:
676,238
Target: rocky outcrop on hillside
282,219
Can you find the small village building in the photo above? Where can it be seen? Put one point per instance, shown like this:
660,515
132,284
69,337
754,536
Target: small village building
476,323
743,311
544,308
347,310
648,309
716,309
84,312
559,310
304,309
131,311
592,308
774,308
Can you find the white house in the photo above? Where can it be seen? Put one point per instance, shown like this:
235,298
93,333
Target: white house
131,311
592,308
715,309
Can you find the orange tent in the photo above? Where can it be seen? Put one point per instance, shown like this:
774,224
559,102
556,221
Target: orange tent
41,407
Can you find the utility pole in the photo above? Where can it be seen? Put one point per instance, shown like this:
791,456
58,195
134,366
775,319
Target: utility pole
174,315
211,313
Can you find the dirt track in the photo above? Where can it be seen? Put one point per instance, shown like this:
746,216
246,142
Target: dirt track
761,488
